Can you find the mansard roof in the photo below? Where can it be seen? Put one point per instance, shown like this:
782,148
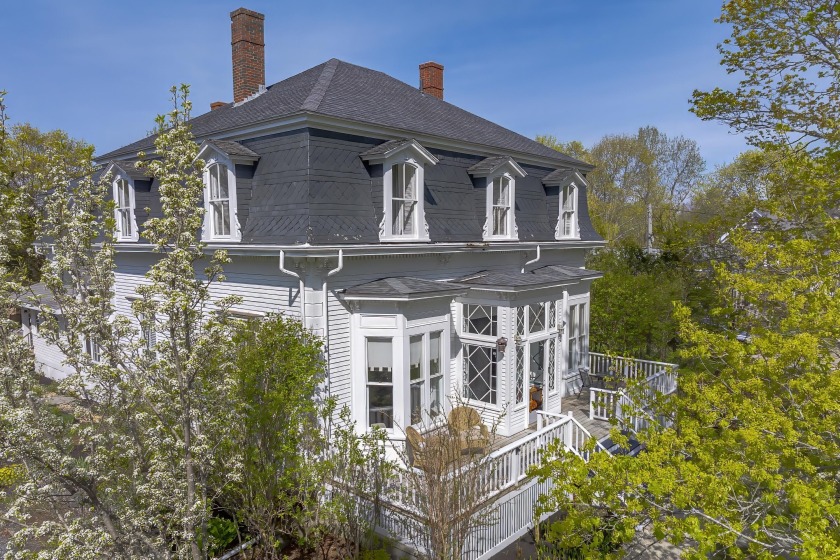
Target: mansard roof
352,93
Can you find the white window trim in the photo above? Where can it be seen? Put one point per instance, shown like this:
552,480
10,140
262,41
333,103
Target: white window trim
235,228
512,230
399,330
408,152
421,227
575,182
426,331
489,341
132,207
581,330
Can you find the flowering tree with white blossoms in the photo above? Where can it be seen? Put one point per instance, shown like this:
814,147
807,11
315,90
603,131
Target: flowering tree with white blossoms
130,467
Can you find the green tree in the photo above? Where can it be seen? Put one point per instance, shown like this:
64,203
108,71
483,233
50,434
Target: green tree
278,369
130,468
787,59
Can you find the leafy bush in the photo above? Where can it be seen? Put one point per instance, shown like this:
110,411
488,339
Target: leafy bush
222,533
10,475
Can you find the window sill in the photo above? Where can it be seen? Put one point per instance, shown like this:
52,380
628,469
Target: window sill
404,240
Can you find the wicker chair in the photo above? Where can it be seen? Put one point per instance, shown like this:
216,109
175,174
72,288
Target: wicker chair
423,453
466,422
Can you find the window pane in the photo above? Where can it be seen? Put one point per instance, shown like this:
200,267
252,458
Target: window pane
417,401
416,357
223,181
480,319
397,185
125,222
552,315
410,182
536,317
434,353
381,405
520,321
552,360
480,371
436,395
536,368
501,191
573,320
214,182
500,221
380,360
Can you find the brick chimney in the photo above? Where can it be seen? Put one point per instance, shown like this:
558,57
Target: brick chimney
217,105
248,48
431,79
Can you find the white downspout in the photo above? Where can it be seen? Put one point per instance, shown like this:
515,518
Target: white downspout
532,261
326,317
294,275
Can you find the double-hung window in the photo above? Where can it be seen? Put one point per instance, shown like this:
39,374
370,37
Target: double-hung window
219,200
404,163
425,377
380,381
93,349
501,206
498,175
568,211
124,208
404,200
578,336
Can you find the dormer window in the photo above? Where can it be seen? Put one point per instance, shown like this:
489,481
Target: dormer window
124,198
403,178
566,185
126,180
498,175
219,200
568,211
404,200
222,158
501,206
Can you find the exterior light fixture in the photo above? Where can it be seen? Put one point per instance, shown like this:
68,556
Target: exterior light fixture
501,344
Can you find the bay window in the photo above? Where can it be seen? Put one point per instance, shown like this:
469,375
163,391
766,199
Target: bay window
425,377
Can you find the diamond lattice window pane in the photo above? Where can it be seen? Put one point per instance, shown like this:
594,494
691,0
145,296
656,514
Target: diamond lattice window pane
552,315
480,373
552,369
520,321
536,317
480,319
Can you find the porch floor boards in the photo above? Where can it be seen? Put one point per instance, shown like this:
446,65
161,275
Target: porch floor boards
579,406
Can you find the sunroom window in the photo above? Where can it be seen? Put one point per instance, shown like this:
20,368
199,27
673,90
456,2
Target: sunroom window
480,379
480,319
425,377
578,343
380,382
536,351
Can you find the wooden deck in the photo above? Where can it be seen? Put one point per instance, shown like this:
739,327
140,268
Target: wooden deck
579,406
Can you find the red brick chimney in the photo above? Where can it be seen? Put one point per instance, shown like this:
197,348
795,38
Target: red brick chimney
217,105
248,47
431,79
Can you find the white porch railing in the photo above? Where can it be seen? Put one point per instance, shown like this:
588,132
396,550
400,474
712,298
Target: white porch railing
604,404
628,368
511,492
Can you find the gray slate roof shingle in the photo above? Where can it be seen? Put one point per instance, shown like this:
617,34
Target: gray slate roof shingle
349,92
234,148
557,176
487,164
544,276
401,286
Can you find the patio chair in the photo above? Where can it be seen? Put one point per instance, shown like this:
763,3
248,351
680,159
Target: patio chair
425,453
472,434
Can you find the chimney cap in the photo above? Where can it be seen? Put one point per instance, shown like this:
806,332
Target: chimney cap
247,12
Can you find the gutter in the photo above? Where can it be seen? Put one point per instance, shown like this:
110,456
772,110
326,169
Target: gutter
294,275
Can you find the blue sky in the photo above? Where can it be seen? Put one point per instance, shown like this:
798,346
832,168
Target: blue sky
578,70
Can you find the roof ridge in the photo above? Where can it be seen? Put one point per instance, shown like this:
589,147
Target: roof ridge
320,88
